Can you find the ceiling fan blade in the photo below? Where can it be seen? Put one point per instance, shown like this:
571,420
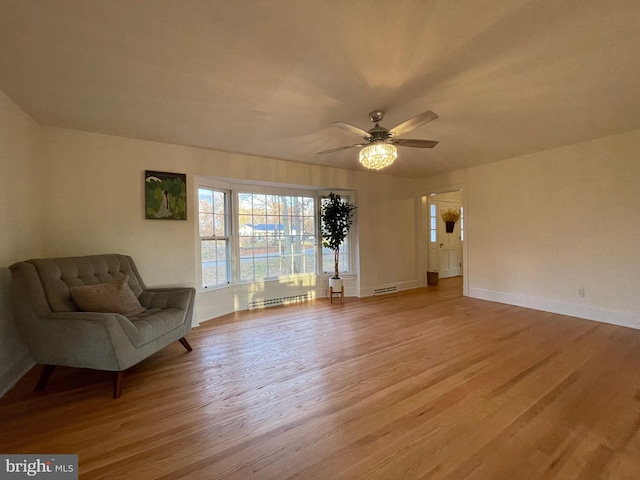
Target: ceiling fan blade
340,148
351,128
414,122
412,142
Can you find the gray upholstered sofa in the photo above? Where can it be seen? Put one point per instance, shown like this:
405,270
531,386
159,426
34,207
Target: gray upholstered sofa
57,332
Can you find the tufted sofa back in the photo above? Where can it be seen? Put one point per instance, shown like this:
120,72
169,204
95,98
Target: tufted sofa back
47,280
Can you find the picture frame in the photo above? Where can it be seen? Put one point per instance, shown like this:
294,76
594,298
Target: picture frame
165,195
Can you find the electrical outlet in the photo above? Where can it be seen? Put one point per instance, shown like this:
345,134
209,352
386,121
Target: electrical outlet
581,292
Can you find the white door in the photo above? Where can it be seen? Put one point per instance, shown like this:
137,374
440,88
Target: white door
445,249
449,244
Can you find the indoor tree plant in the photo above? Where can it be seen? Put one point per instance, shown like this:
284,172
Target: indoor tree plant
336,217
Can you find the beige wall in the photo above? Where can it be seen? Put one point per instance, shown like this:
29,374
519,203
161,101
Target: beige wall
541,227
95,203
20,218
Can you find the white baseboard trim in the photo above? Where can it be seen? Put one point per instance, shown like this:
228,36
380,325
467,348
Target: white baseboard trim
623,319
15,372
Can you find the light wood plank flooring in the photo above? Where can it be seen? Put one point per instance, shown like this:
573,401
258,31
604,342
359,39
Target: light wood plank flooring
423,384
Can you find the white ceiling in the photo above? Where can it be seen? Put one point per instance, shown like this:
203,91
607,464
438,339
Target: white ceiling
268,77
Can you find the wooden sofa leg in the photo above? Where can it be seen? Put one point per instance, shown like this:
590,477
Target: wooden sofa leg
185,344
117,383
47,370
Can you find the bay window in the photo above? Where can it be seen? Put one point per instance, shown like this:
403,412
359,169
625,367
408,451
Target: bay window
251,234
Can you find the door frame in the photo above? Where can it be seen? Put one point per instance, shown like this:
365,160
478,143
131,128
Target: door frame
446,245
423,234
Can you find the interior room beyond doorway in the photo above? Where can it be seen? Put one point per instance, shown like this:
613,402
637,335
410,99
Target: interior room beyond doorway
445,252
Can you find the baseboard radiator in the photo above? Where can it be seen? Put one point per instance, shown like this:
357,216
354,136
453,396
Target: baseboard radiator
272,302
383,290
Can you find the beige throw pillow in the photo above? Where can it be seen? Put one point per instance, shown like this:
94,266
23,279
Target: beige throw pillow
114,296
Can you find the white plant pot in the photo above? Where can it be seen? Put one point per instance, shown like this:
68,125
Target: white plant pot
336,284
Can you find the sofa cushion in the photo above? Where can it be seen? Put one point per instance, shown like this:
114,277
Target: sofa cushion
57,275
114,296
153,324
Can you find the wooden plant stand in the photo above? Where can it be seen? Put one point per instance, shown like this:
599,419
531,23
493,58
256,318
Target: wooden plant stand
339,293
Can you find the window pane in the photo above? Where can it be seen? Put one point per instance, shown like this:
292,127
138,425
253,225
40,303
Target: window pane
205,221
213,218
273,266
222,272
205,200
209,277
246,269
219,202
327,262
272,205
215,267
259,267
244,219
220,225
208,248
308,208
328,259
273,225
310,263
212,213
247,251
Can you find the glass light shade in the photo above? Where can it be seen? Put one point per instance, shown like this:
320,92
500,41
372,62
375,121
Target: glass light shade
378,155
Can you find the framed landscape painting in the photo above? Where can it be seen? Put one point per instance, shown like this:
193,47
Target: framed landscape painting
165,195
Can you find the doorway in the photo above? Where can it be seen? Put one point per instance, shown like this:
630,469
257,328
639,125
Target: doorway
445,249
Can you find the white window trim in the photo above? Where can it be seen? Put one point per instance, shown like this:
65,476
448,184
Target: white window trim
233,187
229,237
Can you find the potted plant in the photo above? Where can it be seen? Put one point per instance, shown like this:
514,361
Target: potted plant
450,216
336,218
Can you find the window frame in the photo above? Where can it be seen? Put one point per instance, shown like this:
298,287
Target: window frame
228,238
280,192
233,189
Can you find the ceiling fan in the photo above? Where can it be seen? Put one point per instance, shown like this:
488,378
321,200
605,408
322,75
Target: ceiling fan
380,150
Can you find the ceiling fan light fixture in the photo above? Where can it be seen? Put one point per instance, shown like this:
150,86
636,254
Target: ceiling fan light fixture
378,155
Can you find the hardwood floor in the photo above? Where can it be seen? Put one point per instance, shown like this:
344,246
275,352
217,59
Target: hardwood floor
423,384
